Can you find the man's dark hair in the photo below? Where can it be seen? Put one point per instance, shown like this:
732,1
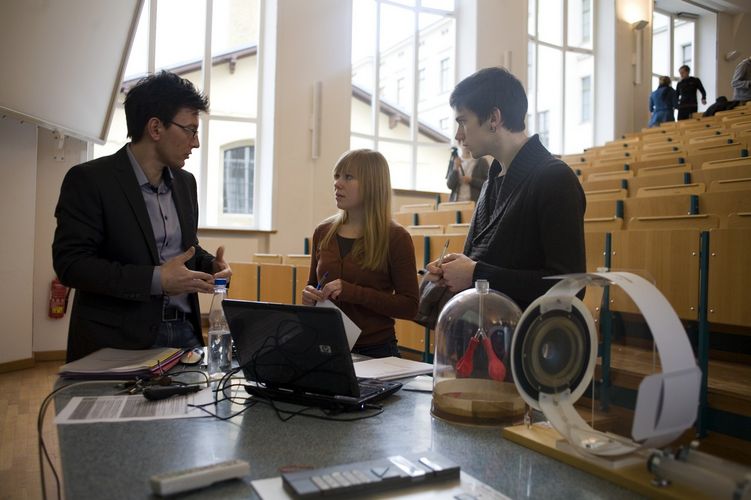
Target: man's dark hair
685,66
492,88
161,95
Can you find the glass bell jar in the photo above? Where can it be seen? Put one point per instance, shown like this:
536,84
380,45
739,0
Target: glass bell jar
472,381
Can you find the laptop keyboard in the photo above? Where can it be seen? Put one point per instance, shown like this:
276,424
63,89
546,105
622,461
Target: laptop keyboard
370,387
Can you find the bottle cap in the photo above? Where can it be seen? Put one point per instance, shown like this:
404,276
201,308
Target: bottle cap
220,281
482,286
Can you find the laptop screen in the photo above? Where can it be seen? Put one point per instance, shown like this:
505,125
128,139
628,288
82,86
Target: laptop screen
299,348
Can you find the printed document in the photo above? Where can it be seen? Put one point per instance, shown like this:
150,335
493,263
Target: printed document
90,409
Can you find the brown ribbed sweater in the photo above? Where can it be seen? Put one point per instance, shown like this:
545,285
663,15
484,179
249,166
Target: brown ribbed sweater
371,299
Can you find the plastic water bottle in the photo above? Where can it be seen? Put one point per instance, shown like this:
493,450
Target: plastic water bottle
220,341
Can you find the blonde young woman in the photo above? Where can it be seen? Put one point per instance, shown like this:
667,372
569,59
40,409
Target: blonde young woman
362,260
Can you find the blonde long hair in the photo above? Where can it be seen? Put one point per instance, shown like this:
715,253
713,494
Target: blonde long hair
371,169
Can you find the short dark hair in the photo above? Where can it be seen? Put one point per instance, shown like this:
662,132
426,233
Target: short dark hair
492,88
685,66
160,95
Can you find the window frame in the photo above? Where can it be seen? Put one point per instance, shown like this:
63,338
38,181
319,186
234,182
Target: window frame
586,104
565,48
672,18
207,61
231,217
374,137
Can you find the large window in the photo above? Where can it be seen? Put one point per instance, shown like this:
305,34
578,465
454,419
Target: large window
672,45
560,75
406,50
223,58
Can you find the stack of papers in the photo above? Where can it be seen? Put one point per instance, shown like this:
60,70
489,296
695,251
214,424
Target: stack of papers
122,363
391,368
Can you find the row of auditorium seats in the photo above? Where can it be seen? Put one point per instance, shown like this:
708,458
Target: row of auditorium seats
270,278
442,214
674,203
712,175
693,155
685,135
705,210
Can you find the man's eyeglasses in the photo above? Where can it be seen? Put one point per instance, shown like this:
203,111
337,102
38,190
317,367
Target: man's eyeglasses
193,131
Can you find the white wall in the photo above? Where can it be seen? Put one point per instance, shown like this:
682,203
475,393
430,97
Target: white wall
734,33
631,110
18,152
51,165
312,45
605,102
492,33
707,60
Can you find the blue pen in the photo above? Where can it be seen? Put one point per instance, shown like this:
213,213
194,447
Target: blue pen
322,280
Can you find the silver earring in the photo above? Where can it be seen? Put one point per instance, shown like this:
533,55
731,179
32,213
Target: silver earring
492,128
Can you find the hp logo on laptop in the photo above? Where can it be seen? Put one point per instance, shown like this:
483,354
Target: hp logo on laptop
325,349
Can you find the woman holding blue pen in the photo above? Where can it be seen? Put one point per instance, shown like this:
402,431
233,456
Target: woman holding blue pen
362,260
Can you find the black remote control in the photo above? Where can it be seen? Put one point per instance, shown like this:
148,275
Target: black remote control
374,475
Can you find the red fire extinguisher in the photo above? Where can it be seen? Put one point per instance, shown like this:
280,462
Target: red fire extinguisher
58,299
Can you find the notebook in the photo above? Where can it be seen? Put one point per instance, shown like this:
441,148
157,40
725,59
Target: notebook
299,354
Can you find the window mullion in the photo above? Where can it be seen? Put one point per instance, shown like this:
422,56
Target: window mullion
206,80
376,98
564,49
414,124
151,67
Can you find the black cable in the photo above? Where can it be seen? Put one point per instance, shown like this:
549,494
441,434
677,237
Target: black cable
42,447
279,344
303,412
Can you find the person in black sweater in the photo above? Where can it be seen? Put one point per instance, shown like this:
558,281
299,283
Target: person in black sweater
687,88
529,220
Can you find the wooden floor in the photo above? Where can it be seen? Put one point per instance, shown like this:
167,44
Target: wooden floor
21,394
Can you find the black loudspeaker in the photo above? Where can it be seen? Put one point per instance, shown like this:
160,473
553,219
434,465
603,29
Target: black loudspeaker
552,350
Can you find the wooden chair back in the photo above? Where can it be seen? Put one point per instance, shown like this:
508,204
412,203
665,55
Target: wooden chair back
729,276
276,283
668,256
426,229
243,284
268,258
437,218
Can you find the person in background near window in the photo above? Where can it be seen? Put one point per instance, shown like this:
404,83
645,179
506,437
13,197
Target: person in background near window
662,103
467,177
687,88
529,220
362,260
126,230
741,81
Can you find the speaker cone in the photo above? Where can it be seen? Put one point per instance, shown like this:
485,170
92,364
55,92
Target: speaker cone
554,351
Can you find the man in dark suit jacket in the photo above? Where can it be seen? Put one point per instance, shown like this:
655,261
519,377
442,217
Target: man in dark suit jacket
529,219
126,230
687,88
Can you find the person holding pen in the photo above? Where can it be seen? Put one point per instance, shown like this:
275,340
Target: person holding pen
529,219
362,260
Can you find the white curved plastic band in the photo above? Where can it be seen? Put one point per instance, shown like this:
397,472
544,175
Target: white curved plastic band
666,402
559,409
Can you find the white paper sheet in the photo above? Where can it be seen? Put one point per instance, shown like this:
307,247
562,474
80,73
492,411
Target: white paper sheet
391,368
352,330
421,383
90,409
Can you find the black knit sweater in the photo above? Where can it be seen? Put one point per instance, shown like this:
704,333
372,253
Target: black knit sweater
535,229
